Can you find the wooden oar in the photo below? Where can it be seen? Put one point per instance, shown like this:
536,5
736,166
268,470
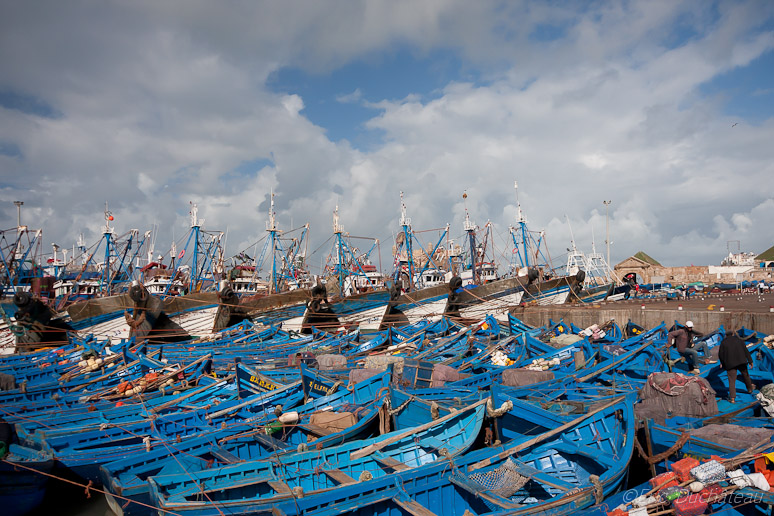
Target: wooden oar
411,431
614,363
542,437
250,401
190,393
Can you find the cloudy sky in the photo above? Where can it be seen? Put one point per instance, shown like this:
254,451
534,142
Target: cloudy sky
664,108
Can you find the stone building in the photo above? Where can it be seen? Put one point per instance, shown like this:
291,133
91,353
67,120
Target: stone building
649,270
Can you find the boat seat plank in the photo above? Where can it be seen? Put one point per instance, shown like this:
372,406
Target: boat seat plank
279,486
339,476
542,477
390,462
432,442
270,442
413,508
225,456
246,481
585,450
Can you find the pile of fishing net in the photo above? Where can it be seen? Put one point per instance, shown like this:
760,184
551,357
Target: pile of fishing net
517,377
733,436
331,362
7,382
674,394
766,397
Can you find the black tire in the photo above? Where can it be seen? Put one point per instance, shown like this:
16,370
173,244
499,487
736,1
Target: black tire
22,299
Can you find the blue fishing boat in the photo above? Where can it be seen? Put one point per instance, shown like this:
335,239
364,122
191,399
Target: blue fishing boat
350,415
23,478
571,465
255,486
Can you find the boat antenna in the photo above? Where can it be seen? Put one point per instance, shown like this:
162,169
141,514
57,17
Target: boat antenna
572,236
518,204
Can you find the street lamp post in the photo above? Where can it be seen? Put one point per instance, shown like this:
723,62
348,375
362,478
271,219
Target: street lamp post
607,231
18,212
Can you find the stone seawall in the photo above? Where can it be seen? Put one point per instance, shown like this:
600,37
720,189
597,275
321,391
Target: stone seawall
705,314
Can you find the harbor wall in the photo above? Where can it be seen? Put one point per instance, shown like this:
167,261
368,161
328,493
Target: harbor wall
703,320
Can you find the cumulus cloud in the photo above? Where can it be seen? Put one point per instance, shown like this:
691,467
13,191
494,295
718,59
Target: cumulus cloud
349,98
149,106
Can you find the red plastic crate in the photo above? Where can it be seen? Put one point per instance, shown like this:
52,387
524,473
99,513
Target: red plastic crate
710,491
691,505
668,479
682,468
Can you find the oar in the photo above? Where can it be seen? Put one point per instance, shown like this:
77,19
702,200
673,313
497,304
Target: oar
411,431
190,393
250,401
542,437
614,363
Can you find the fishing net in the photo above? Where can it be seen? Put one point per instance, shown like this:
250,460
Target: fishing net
381,362
442,374
673,394
504,481
565,339
7,382
358,375
614,349
731,436
766,397
516,377
331,362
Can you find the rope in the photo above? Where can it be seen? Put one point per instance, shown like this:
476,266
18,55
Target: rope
598,491
392,412
506,406
665,454
87,487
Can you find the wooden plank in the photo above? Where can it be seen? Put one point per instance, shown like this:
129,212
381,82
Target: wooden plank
391,463
251,401
339,476
226,456
433,443
270,441
413,508
542,477
614,363
279,486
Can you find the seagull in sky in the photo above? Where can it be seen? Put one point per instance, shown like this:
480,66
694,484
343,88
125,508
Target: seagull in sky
735,124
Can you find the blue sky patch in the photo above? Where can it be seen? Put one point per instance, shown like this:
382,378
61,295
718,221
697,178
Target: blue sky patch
546,32
338,101
10,149
748,91
28,104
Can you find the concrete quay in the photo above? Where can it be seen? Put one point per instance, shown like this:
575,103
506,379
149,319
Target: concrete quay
707,311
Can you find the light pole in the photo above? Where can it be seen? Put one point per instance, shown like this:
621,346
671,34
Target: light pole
607,231
18,212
